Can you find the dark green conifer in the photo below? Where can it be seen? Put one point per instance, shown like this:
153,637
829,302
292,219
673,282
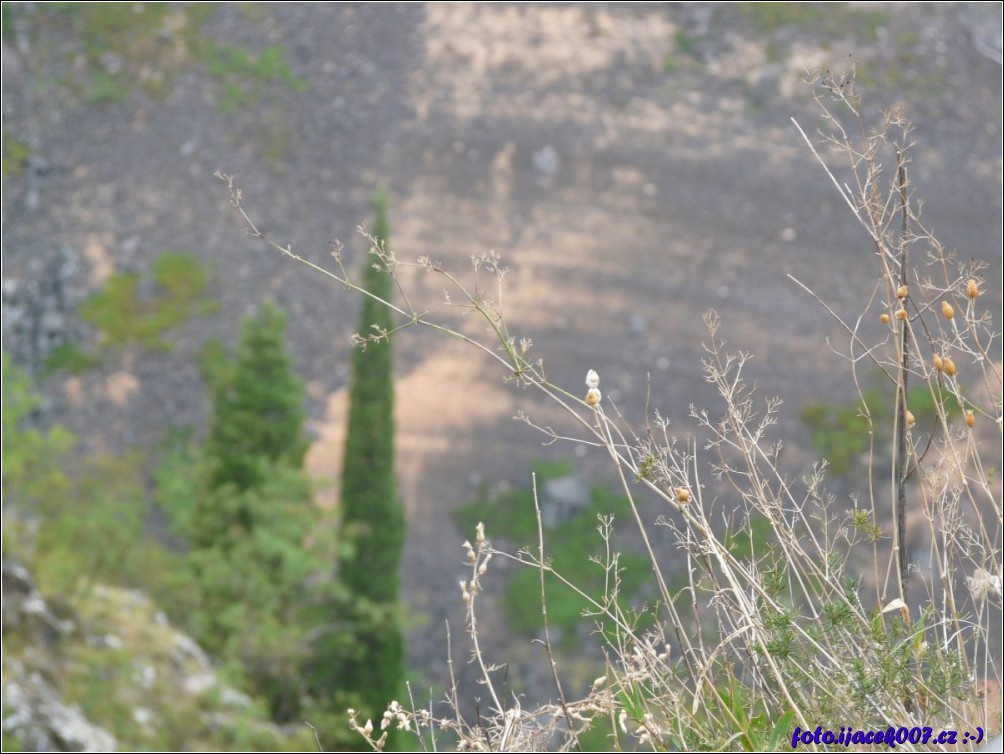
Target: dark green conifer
368,662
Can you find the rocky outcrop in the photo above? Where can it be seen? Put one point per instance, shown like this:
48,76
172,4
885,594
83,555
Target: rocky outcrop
34,714
108,671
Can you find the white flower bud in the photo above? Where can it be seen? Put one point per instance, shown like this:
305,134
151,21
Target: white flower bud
592,379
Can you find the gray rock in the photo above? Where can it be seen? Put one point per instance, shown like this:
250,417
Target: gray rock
24,607
40,721
547,161
562,499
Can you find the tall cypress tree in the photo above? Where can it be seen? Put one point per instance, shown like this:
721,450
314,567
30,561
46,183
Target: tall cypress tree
368,671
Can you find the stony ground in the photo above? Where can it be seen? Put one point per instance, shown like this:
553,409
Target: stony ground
634,165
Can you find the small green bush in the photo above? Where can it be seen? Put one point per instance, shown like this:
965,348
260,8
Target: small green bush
124,317
245,78
15,153
69,357
841,433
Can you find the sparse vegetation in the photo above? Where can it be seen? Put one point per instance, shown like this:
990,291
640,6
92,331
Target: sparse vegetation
574,545
124,313
842,434
129,47
795,618
828,17
71,358
244,76
15,154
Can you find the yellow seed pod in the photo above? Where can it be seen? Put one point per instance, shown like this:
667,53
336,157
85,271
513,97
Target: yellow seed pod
682,495
970,418
972,289
949,366
901,314
902,292
947,310
594,396
884,318
938,364
910,419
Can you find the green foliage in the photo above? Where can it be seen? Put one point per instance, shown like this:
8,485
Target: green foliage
827,18
685,43
864,522
34,461
258,412
176,483
143,46
245,78
367,660
569,545
15,153
72,524
124,316
372,516
511,515
247,514
215,364
69,357
96,532
7,31
841,433
125,46
251,565
751,540
769,17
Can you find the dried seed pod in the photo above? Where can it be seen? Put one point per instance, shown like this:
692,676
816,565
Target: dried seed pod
947,310
970,418
949,366
884,318
938,364
972,289
910,418
901,314
902,292
682,495
594,396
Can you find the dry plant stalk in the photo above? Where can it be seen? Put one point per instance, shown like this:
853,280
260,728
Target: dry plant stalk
819,623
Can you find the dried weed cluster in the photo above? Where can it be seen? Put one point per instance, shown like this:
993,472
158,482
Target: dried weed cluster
825,622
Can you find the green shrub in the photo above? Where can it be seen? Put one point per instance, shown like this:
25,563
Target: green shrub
123,316
244,77
841,433
69,357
